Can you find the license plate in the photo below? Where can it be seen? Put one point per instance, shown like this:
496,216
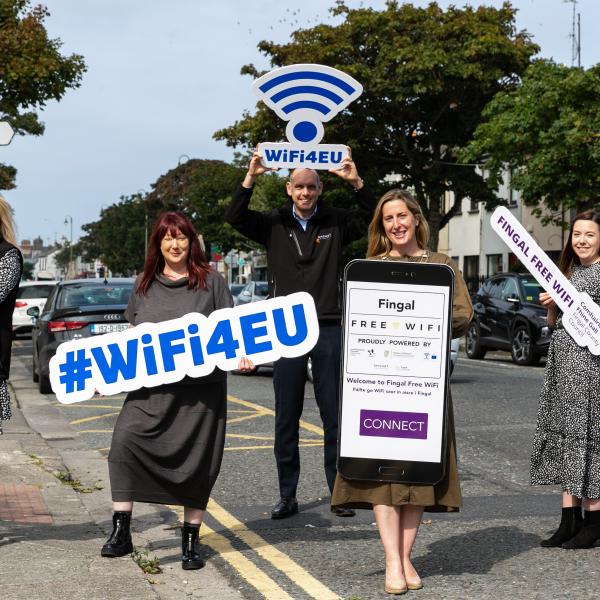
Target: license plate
98,328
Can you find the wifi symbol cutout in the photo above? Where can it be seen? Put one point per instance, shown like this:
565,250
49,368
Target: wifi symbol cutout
306,96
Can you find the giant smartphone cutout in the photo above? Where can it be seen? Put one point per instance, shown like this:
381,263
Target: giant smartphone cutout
397,326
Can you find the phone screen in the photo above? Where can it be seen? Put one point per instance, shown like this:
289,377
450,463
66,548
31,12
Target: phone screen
394,371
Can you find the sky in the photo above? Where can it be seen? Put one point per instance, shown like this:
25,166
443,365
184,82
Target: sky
163,76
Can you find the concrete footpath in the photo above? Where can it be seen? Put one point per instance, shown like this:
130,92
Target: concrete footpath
55,514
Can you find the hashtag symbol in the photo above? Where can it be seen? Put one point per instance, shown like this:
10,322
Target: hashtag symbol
75,370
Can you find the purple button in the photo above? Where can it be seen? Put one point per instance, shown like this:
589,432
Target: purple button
384,423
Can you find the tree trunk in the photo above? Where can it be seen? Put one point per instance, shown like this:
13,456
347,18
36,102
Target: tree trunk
434,221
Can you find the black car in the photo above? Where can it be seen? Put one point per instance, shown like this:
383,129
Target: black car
75,309
508,316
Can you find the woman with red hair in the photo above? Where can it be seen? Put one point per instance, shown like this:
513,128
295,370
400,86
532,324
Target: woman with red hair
168,441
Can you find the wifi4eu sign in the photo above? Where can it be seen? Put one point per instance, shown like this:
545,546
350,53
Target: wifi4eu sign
152,354
306,96
6,133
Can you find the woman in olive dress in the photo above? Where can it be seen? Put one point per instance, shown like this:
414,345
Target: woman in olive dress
399,231
168,441
566,446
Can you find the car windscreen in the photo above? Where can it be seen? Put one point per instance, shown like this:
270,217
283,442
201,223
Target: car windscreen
73,296
531,290
32,292
261,289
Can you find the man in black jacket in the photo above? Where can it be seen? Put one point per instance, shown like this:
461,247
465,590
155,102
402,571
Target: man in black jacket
304,241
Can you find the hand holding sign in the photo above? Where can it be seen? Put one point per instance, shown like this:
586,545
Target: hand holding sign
581,315
348,171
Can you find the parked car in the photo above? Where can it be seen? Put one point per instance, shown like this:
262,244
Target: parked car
30,294
235,289
75,309
454,346
253,291
508,316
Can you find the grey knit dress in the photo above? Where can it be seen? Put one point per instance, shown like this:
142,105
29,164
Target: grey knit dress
566,446
168,441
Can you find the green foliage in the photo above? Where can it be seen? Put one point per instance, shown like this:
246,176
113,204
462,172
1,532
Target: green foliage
149,565
427,75
27,271
117,238
202,190
63,256
548,131
32,71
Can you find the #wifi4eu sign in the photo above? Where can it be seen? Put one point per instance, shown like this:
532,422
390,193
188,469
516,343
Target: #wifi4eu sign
306,96
152,354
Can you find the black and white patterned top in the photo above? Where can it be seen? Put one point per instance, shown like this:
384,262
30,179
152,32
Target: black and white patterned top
566,446
10,270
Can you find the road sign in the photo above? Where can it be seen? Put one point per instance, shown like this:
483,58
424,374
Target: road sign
6,133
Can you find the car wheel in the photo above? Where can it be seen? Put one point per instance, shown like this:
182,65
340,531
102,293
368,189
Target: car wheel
309,373
44,384
521,348
34,371
473,346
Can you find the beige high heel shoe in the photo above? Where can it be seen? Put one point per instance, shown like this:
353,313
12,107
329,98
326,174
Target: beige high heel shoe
396,591
414,585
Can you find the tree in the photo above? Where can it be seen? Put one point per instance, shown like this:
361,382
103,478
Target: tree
32,71
427,75
548,131
117,238
202,190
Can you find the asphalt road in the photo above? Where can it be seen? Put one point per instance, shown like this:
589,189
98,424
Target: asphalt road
489,549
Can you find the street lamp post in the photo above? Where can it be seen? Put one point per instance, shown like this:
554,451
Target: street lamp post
69,221
142,194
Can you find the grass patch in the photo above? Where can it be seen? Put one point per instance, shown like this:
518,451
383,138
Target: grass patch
142,559
36,460
66,478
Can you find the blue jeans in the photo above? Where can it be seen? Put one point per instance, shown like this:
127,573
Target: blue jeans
289,378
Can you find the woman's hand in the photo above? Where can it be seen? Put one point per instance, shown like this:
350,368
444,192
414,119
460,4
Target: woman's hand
245,365
547,301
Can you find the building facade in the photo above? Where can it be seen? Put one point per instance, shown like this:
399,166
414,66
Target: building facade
470,240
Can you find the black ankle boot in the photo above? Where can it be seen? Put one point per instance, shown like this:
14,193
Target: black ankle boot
570,524
119,543
589,533
190,559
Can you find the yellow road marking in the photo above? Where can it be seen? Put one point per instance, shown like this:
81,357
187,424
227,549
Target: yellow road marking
95,431
241,436
302,578
304,424
245,567
87,406
95,418
270,446
246,418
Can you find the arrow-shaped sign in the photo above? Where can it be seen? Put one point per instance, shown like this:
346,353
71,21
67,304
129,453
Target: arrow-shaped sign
6,133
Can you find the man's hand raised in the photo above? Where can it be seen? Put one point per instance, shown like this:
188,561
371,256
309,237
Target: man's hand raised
348,171
255,169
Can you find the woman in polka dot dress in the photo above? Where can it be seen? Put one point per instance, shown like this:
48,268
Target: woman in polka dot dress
566,447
